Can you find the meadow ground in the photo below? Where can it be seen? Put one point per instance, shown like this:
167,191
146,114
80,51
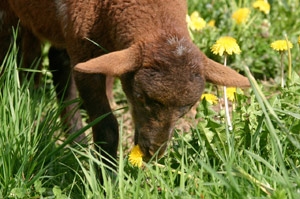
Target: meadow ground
258,158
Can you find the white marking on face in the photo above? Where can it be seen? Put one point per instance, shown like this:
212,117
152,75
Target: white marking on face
173,40
181,49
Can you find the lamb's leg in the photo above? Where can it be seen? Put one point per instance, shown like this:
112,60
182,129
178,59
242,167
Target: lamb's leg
59,64
5,40
109,90
105,133
8,20
31,53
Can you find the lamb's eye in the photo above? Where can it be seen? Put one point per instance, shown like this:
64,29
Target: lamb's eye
157,103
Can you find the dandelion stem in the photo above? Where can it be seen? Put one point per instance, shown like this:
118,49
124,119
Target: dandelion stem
289,58
282,69
226,101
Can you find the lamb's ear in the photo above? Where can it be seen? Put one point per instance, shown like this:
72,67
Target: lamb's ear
112,64
219,74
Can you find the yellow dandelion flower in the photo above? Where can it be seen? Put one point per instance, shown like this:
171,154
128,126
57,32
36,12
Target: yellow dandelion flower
211,23
281,45
195,22
210,98
241,15
136,156
299,40
230,92
226,45
262,5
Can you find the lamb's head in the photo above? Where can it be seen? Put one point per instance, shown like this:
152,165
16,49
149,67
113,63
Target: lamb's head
162,90
162,80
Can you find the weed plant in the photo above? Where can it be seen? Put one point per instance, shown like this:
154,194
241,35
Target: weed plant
259,158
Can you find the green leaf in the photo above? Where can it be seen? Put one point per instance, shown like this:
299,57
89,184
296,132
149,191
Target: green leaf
18,192
58,193
38,187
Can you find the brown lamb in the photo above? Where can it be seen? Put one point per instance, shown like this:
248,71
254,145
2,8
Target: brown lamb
143,42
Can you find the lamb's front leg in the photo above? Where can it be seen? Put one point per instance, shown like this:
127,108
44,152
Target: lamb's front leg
92,90
59,64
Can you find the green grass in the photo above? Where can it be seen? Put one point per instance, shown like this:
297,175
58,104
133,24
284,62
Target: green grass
260,158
